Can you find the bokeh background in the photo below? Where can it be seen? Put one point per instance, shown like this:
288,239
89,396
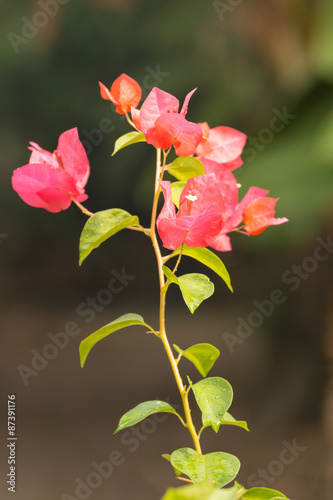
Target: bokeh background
256,65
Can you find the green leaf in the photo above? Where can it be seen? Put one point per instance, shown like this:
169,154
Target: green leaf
215,469
167,457
127,140
203,356
209,259
176,191
142,411
169,274
262,494
185,167
195,289
101,226
214,397
230,420
122,322
200,492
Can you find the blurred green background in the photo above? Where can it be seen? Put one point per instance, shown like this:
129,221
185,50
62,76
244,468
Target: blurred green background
263,67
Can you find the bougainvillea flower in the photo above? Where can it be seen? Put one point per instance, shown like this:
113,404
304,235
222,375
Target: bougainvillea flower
233,210
259,214
163,126
53,180
125,93
205,130
199,218
223,145
174,129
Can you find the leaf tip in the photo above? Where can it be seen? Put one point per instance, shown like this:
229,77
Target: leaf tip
83,355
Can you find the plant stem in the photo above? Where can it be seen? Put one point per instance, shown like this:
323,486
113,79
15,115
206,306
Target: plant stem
163,290
82,208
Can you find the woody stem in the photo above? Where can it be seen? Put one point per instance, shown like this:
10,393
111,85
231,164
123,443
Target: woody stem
163,290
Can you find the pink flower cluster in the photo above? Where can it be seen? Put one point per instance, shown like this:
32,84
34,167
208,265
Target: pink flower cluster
209,208
53,180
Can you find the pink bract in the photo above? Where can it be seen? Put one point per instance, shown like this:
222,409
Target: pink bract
223,145
209,209
163,126
200,215
234,210
52,181
259,214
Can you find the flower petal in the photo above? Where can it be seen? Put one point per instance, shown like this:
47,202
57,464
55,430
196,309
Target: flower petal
223,145
205,193
201,200
40,185
227,184
74,158
172,128
221,243
252,194
232,165
186,101
172,231
126,92
106,94
200,217
40,155
156,104
188,139
135,113
259,214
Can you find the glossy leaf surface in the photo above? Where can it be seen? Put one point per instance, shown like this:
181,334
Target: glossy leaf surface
262,494
209,259
176,191
170,275
101,226
203,356
142,411
214,397
183,168
215,469
230,420
195,289
118,324
128,139
200,492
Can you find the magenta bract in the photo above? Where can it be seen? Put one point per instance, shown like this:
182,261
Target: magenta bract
223,145
163,126
199,218
53,180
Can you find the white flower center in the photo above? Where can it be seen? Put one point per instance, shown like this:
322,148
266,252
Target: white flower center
191,197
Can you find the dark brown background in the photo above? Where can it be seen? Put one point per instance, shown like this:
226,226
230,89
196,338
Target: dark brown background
249,62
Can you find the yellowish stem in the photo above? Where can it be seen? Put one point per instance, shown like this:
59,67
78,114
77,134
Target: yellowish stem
163,290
